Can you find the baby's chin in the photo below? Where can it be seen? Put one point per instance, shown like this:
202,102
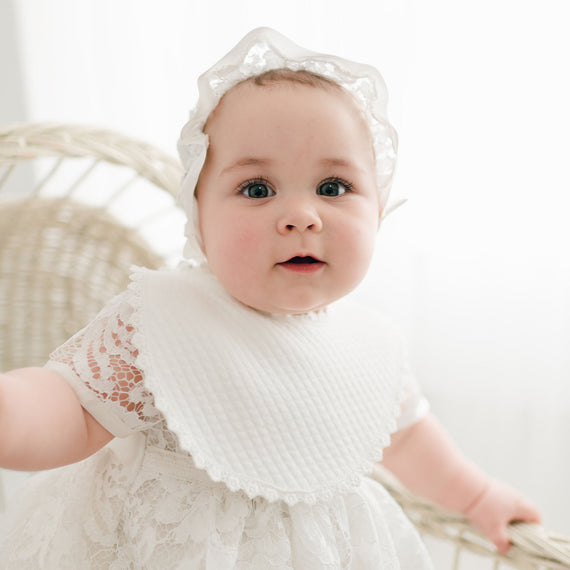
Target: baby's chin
294,312
276,298
275,308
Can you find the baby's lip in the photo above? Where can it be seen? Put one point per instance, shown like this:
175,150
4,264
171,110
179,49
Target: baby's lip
302,259
302,264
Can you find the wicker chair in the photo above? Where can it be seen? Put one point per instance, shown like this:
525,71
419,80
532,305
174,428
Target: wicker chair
63,254
63,250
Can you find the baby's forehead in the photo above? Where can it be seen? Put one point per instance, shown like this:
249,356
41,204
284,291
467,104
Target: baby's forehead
300,81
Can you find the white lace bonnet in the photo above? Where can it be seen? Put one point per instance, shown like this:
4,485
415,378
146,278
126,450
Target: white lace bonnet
261,50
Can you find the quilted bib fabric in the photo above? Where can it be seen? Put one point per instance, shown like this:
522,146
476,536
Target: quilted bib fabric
284,407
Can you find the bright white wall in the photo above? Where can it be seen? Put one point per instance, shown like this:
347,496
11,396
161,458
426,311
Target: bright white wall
481,247
474,267
12,98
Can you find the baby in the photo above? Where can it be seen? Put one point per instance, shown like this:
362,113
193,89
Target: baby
227,411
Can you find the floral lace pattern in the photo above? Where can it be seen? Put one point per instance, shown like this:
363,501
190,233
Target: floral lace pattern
160,512
99,363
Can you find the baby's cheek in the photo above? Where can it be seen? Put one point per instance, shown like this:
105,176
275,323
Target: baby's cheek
244,252
359,246
241,260
245,239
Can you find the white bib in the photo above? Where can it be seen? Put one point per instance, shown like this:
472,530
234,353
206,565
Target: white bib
286,407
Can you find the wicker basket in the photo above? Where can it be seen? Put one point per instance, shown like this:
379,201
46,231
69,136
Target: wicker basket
64,253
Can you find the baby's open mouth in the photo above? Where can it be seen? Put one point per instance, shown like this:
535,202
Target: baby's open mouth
302,264
298,259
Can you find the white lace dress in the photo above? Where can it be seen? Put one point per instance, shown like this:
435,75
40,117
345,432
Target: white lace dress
233,450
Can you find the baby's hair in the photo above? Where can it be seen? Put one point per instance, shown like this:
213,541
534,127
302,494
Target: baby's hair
300,76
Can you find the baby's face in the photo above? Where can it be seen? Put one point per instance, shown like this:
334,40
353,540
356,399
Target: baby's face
287,199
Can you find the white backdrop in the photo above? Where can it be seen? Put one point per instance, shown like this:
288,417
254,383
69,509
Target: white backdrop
474,267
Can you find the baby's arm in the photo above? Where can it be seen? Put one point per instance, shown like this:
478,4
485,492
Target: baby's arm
425,459
42,423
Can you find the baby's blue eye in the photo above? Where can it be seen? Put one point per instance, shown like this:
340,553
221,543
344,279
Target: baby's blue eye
331,189
257,190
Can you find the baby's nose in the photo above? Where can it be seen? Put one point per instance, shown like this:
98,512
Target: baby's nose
301,216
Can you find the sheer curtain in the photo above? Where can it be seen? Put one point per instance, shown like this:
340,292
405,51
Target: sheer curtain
474,267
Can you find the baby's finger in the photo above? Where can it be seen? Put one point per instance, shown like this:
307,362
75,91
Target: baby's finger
496,532
527,512
501,541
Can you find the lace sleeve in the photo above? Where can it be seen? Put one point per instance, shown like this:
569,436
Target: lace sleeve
98,362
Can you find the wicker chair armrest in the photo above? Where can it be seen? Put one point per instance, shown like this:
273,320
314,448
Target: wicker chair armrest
20,141
532,545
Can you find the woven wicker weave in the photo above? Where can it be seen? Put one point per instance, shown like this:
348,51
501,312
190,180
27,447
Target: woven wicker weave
62,258
534,548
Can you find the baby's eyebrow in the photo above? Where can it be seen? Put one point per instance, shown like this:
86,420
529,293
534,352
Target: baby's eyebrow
247,161
356,166
261,161
338,162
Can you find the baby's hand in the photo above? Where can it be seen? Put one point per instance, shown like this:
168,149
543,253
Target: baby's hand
496,507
